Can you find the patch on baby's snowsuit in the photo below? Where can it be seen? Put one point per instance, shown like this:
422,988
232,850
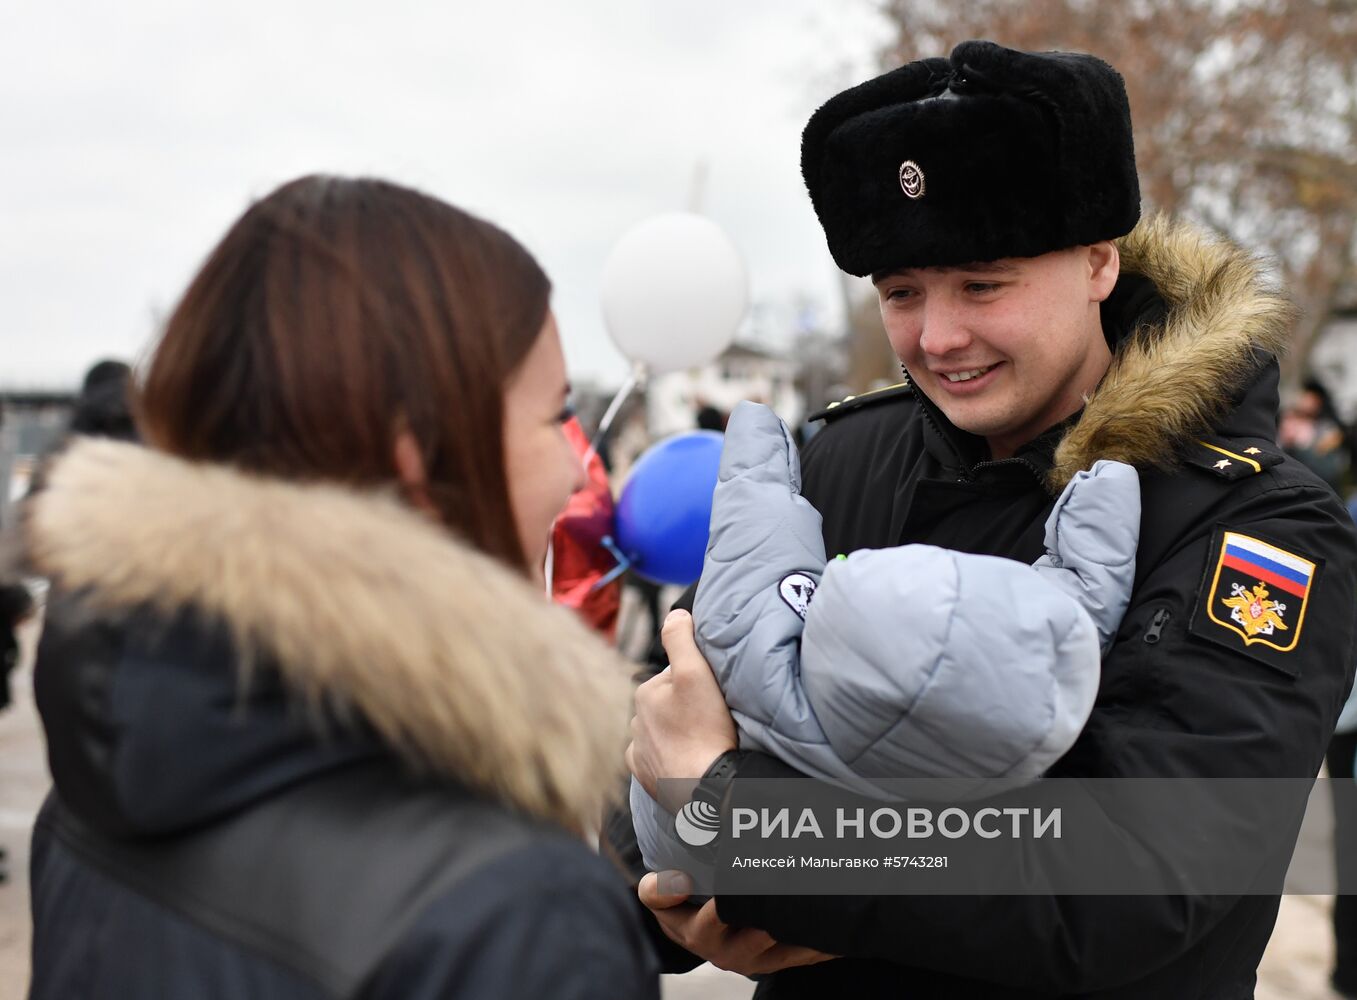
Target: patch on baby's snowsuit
796,589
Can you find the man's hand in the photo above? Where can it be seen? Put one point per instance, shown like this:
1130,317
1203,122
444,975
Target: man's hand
748,951
681,723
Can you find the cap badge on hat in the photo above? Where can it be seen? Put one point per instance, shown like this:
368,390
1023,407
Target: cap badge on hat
912,179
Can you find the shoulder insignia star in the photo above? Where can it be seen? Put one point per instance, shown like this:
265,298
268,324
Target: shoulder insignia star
861,400
1233,461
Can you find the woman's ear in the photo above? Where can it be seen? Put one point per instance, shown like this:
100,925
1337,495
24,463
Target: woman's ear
410,471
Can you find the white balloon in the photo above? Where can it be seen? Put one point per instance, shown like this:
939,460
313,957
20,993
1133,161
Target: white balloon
674,292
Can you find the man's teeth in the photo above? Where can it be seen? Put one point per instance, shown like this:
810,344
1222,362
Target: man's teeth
966,376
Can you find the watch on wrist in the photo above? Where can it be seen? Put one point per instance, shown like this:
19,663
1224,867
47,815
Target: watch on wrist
712,786
698,823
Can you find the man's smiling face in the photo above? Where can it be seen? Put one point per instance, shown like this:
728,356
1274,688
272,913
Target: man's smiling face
1005,349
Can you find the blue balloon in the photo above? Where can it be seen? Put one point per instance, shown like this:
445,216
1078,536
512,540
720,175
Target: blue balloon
664,512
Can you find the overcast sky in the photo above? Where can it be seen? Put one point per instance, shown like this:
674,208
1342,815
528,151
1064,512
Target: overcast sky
133,134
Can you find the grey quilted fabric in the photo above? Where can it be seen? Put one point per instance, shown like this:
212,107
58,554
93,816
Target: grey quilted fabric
911,662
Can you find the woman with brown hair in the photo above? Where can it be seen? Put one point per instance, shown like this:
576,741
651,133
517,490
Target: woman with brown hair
312,728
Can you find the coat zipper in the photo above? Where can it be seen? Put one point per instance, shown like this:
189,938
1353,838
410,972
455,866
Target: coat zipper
1025,463
926,406
964,474
1157,623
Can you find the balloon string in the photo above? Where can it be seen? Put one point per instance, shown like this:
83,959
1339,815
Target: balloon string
636,377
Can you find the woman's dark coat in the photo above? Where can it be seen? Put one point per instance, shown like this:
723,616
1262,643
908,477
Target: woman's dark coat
306,745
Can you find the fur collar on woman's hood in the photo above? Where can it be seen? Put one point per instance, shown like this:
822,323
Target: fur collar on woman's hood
1169,384
459,664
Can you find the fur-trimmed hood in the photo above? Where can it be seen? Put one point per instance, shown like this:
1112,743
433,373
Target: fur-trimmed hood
1170,383
365,606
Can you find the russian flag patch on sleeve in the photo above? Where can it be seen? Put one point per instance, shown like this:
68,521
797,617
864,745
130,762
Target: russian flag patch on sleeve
1254,596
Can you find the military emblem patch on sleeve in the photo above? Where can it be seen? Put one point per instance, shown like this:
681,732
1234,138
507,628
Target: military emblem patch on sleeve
1253,597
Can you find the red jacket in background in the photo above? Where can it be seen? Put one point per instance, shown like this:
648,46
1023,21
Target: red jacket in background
579,558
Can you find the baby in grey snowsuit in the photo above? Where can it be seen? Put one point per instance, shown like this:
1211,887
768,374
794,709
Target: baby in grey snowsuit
910,662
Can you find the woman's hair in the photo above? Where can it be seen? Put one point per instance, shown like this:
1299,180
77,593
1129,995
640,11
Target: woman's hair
336,313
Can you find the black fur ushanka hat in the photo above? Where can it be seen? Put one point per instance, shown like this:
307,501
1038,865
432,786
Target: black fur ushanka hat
990,153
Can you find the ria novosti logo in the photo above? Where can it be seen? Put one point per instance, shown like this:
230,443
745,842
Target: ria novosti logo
698,823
